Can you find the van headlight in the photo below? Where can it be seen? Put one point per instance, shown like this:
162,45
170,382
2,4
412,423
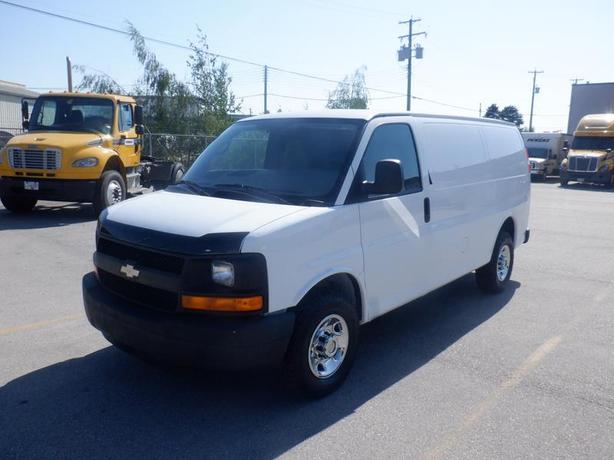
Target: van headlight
223,273
85,163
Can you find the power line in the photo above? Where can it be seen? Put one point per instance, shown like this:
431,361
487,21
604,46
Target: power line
176,45
394,94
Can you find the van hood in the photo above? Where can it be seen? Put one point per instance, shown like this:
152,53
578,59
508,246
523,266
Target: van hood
195,215
54,139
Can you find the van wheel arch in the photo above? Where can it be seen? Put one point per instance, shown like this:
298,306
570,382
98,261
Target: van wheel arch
342,284
509,227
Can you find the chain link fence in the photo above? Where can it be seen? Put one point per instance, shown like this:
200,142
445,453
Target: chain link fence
6,133
184,148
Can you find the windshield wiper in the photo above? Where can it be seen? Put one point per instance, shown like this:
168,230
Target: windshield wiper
251,191
195,187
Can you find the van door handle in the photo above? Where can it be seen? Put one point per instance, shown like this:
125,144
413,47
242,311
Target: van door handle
427,210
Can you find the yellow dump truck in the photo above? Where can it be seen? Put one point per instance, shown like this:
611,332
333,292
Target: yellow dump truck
80,147
591,157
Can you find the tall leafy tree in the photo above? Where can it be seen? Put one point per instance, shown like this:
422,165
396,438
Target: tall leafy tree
508,113
351,93
211,85
493,112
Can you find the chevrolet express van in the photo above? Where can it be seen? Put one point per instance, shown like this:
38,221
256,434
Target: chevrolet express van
290,231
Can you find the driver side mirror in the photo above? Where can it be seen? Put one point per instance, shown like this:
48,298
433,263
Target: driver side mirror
388,179
138,120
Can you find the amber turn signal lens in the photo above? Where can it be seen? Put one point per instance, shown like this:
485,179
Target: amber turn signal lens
196,302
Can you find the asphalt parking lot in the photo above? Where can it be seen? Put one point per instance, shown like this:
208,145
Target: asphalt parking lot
456,374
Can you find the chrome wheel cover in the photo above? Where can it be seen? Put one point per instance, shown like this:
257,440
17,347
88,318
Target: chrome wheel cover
328,346
114,193
503,262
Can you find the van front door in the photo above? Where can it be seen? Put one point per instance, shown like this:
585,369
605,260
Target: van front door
393,229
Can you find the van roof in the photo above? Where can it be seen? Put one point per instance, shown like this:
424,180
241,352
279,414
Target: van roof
369,115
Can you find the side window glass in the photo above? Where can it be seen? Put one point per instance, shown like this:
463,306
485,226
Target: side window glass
392,142
125,117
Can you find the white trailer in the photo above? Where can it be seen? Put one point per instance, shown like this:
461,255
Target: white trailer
546,152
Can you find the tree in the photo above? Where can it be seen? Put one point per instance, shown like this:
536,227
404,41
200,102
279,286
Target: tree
211,84
351,93
508,113
492,112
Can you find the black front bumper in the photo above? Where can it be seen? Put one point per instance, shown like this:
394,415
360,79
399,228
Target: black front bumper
50,189
599,177
219,342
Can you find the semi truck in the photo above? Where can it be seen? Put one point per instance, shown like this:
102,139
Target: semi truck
591,157
546,152
80,147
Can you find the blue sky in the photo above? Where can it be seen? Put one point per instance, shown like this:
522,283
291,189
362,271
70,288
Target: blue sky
476,51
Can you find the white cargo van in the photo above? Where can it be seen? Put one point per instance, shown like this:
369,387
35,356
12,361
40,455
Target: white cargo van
546,152
290,231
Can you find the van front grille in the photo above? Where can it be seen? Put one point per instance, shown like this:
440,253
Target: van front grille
48,159
583,164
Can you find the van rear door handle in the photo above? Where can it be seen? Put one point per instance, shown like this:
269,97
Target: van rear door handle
427,210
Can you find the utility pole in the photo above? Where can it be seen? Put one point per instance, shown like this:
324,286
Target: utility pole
405,52
69,73
533,93
480,111
266,88
574,81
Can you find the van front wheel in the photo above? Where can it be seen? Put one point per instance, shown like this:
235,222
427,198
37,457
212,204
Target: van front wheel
493,276
323,346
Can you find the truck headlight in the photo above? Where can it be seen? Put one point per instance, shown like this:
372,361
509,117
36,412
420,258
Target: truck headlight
223,273
85,163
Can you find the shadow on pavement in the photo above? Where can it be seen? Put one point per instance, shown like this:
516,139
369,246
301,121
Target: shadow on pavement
107,404
588,186
47,215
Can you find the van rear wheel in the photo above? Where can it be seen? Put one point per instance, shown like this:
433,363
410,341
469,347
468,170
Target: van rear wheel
492,277
322,349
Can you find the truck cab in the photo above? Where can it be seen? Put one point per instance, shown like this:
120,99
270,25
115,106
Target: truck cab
591,158
546,152
79,147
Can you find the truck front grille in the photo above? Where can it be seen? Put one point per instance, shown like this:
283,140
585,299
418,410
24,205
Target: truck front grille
48,159
583,164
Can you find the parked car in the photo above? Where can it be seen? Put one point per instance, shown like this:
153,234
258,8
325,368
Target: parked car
290,231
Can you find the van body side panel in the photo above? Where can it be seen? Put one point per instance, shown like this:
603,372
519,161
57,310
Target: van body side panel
479,178
305,248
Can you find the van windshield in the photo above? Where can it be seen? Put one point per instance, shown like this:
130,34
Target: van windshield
68,113
296,160
536,152
592,143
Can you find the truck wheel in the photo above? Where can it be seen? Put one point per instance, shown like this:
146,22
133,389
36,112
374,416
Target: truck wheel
492,277
18,204
111,190
323,347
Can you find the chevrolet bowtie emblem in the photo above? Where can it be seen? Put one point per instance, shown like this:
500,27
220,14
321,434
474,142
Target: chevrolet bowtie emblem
129,271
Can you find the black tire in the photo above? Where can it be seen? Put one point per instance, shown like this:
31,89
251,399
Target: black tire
109,179
487,277
315,310
19,204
